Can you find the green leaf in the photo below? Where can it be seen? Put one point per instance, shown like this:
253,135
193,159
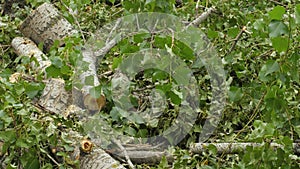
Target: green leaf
22,112
235,94
89,80
233,32
159,75
271,66
259,24
53,71
65,69
57,62
174,98
262,130
297,13
8,136
280,44
95,91
21,142
33,89
212,34
112,1
277,13
33,163
116,62
19,88
163,163
149,1
131,131
136,118
278,28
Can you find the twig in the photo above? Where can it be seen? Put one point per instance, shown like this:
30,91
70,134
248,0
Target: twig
265,53
53,160
123,150
202,17
236,39
197,7
75,19
113,29
255,112
278,3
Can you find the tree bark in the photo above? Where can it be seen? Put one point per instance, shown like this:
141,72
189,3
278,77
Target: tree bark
46,25
26,47
231,148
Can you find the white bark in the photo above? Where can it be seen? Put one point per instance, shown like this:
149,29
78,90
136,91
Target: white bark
46,25
54,97
26,47
202,17
229,148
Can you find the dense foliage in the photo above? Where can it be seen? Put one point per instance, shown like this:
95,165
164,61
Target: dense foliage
262,73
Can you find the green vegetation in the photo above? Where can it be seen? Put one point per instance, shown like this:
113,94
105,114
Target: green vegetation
262,69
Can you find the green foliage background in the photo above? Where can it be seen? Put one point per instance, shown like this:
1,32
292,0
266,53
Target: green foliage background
262,75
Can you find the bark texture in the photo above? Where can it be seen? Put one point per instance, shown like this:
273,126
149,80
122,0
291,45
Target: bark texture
46,25
99,159
229,148
54,97
26,47
89,79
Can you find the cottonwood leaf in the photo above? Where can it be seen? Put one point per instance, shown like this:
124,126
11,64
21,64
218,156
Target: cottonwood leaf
235,94
277,13
271,66
277,28
280,44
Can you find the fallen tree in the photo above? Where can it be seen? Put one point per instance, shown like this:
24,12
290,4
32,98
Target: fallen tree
46,25
57,100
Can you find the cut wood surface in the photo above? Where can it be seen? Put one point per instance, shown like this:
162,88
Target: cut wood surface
46,25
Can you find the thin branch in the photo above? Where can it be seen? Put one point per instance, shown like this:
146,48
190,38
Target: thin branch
75,19
202,17
231,148
53,160
236,39
113,29
278,3
254,114
197,7
123,150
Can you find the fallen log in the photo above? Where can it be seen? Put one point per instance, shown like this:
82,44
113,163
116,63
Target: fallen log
231,148
26,47
46,25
